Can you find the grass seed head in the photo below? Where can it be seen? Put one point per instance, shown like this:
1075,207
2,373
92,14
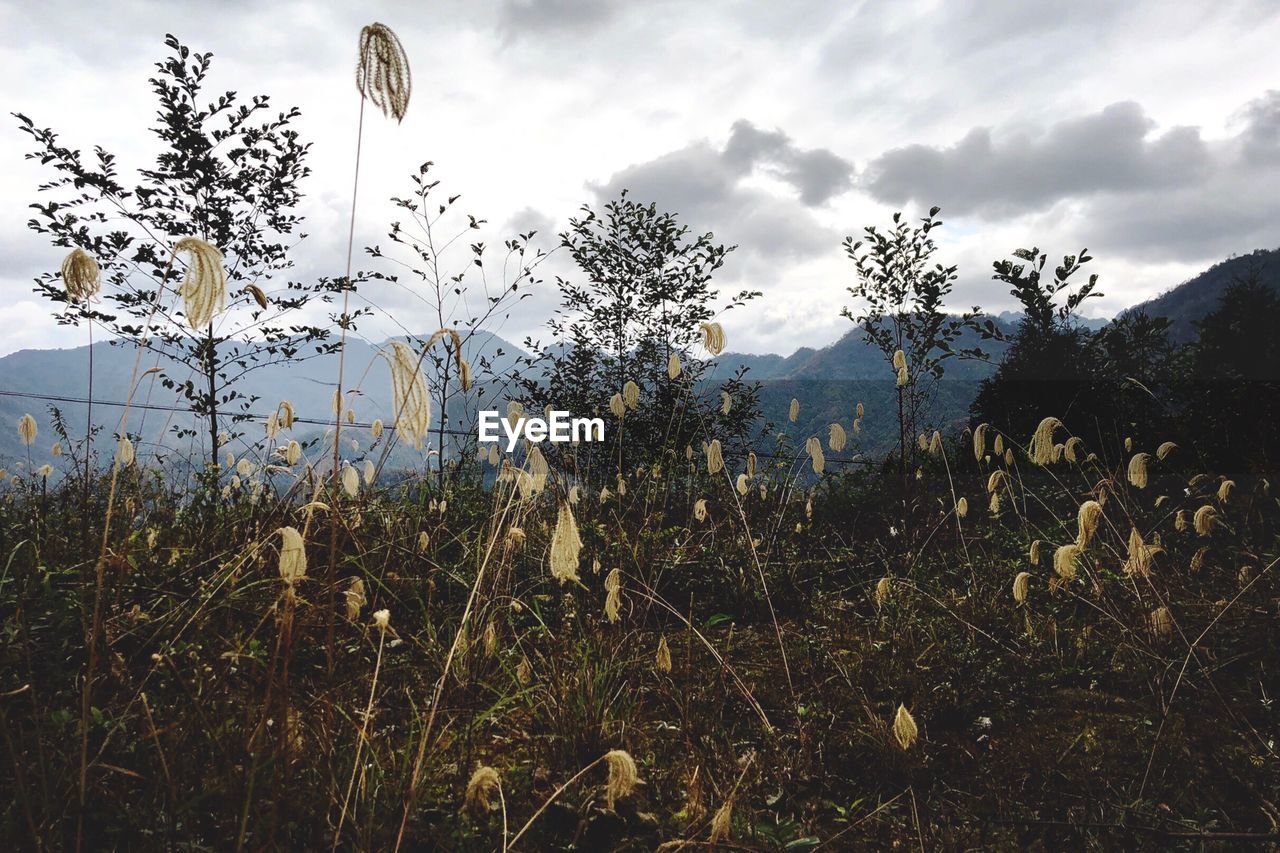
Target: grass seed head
80,275
904,728
481,788
27,429
623,776
204,287
382,72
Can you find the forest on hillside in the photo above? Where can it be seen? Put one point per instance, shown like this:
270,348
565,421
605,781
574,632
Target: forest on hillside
1037,608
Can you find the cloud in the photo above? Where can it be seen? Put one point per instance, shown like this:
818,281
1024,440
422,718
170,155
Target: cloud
997,177
518,17
1261,133
710,188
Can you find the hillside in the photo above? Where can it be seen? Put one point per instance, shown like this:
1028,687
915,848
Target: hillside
1195,299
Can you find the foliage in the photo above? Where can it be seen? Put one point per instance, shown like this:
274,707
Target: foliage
228,172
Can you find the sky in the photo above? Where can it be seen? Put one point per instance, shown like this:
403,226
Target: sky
1146,132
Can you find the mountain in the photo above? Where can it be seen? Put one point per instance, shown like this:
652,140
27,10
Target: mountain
1195,299
307,384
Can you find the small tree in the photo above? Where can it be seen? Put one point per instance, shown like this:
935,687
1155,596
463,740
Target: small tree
904,294
460,295
646,290
228,172
1051,366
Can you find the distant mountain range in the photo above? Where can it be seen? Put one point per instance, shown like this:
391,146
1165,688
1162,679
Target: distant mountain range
828,382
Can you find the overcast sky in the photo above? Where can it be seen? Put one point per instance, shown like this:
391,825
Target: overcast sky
1148,132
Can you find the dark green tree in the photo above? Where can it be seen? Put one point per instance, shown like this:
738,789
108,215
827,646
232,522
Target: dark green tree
645,289
228,172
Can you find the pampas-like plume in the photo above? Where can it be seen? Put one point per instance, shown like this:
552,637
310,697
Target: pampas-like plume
700,509
1206,519
1161,622
751,463
369,471
1071,451
27,429
382,619
124,452
980,441
815,454
1034,555
204,288
350,481
1064,560
662,661
935,444
631,395
293,555
726,402
899,360
857,426
623,776
1021,584
722,822
1042,447
1138,470
354,595
409,392
836,439
56,450
922,441
715,457
423,541
613,595
883,588
566,545
904,378
80,275
617,407
44,470
997,479
793,412
673,366
292,453
1087,522
742,485
962,507
286,414
713,338
1225,490
382,73
1141,555
375,429
539,470
1163,451
904,728
997,446
482,786
1181,520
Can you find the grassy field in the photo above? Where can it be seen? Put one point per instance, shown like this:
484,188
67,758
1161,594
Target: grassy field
1082,656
